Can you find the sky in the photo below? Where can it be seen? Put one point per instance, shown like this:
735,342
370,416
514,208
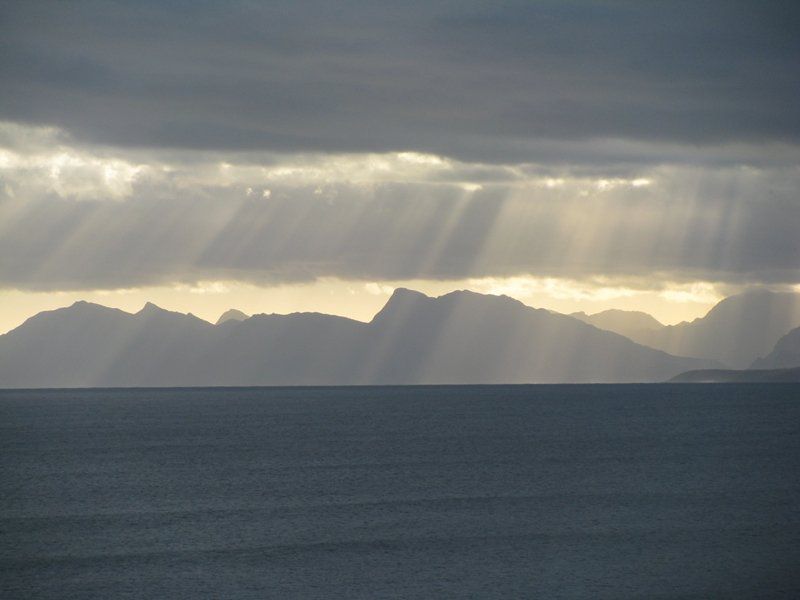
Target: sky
314,156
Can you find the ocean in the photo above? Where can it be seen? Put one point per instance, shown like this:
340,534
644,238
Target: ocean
574,491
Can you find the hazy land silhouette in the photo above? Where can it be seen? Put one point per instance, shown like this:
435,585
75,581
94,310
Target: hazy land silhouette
459,338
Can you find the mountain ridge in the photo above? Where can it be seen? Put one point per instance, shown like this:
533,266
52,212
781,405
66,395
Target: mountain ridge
633,324
231,314
735,332
785,354
739,376
461,337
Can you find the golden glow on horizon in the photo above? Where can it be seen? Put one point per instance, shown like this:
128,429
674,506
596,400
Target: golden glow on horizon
361,300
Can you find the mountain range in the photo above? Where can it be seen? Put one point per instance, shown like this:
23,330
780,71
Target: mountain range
461,337
232,314
784,355
735,332
780,365
633,324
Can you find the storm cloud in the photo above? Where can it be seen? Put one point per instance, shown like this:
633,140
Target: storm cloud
489,82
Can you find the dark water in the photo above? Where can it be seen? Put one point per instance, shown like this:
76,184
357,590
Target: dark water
482,492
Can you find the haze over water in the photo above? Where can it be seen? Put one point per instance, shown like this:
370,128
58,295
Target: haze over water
651,491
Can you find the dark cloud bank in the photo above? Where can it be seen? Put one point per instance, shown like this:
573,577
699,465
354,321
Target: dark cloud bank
486,81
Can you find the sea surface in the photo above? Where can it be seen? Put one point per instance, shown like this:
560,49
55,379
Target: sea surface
634,491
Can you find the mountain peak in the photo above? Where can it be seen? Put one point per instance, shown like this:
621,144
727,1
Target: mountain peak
405,300
401,300
736,331
150,311
150,308
402,292
759,300
630,323
470,295
232,314
785,354
80,305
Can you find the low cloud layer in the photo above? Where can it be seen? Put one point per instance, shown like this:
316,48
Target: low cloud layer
83,218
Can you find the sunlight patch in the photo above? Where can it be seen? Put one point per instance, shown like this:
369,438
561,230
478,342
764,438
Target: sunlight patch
378,289
699,292
561,289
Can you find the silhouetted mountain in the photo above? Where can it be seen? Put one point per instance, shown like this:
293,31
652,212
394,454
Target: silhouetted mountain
458,338
468,337
735,332
786,353
633,324
89,344
232,315
739,376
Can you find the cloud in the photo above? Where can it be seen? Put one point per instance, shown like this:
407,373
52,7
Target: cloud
592,289
378,289
552,81
693,292
83,217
